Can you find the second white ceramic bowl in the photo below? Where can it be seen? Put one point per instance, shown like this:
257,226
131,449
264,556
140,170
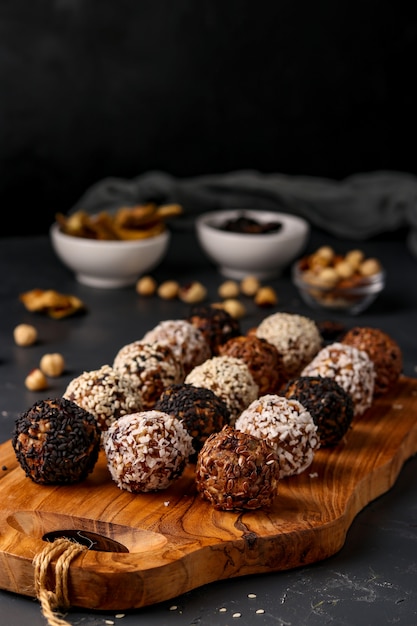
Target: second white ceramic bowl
241,254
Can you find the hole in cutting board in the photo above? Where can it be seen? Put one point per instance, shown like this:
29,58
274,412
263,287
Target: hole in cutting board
92,541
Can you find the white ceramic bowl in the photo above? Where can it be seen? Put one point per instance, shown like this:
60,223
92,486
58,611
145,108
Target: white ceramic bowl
241,254
109,264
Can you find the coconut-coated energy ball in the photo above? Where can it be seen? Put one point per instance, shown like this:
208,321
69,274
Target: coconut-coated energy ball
56,442
146,451
384,352
229,378
351,368
297,339
199,409
185,340
330,406
287,426
236,471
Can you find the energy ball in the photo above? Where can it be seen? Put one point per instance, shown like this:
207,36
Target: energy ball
199,409
383,351
56,442
217,325
229,378
262,358
151,367
330,406
146,451
105,393
186,341
287,426
351,368
296,338
236,471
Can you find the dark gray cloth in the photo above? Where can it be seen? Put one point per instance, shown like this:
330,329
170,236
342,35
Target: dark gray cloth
359,207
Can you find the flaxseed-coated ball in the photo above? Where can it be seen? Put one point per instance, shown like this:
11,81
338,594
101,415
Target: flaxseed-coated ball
236,471
384,352
56,442
217,325
105,393
151,367
330,406
262,358
287,426
146,451
351,368
229,378
185,340
200,410
296,338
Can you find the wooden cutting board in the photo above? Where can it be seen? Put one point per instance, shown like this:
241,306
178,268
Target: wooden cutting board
151,547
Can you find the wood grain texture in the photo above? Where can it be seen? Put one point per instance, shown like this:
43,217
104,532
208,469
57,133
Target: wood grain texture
173,541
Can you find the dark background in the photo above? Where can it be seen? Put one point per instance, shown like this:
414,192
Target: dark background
97,88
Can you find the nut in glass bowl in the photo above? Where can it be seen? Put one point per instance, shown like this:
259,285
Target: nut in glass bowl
336,285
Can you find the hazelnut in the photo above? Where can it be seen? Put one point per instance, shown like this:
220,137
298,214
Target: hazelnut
52,364
370,267
36,380
192,293
354,258
168,290
328,277
229,289
249,286
25,335
325,253
266,297
344,269
234,307
146,286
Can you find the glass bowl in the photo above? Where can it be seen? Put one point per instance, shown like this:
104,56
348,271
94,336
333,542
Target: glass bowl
349,296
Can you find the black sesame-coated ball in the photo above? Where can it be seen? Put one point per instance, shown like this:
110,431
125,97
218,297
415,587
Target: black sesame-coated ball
56,442
330,406
201,411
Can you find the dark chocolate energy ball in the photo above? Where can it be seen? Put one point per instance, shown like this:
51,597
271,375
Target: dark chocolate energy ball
217,325
330,406
200,410
56,442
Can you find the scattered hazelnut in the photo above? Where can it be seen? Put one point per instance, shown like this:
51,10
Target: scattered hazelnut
168,290
25,335
36,380
234,307
146,286
192,293
370,267
266,297
229,289
52,364
249,286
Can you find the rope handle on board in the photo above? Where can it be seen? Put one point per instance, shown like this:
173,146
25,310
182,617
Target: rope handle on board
51,601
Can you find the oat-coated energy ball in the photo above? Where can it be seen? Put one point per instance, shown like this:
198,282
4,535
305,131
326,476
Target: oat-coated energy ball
288,427
330,406
151,367
351,368
217,325
56,442
297,339
236,471
229,378
105,393
384,352
185,340
199,409
263,359
146,451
